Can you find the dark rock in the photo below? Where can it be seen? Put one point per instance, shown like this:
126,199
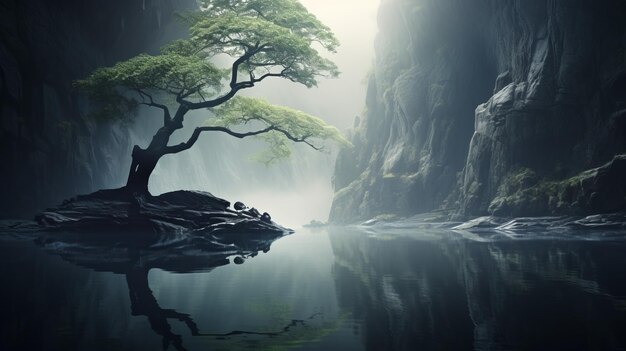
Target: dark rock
598,190
265,217
253,212
595,226
239,260
198,200
175,212
239,206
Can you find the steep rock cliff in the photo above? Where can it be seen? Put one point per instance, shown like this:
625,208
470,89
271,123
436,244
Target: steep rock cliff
51,149
466,96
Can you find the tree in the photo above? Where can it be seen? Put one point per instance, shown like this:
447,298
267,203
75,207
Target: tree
263,38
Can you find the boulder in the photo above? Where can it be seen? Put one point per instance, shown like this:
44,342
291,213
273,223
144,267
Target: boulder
179,212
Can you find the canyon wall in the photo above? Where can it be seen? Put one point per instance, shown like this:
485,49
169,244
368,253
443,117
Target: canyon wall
51,148
510,108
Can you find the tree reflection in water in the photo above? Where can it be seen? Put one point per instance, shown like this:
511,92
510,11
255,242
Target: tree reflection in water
136,256
415,289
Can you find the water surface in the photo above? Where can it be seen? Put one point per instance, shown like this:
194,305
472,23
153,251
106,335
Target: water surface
321,289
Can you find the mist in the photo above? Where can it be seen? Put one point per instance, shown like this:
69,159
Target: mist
481,207
299,189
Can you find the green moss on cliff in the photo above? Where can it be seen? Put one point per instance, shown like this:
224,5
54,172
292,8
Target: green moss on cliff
524,193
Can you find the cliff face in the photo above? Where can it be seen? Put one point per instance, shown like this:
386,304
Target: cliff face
50,148
490,107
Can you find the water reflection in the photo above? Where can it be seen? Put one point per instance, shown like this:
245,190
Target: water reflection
134,257
323,289
143,303
441,292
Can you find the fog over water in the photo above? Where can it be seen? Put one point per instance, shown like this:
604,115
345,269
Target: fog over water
299,189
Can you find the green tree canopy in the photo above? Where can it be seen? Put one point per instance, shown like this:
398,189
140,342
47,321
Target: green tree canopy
265,38
284,125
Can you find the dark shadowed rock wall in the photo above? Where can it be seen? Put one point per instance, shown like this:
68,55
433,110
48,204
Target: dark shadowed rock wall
489,106
50,148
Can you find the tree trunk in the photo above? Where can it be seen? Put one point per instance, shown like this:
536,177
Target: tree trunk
142,165
145,160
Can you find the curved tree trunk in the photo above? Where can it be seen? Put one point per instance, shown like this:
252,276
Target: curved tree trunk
142,165
145,160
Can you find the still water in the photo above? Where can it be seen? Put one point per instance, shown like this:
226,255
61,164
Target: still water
319,289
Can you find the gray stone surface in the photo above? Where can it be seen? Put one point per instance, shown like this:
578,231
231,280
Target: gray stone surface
178,212
466,95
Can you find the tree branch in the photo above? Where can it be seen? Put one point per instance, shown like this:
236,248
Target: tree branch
196,133
235,86
256,80
237,63
210,103
166,111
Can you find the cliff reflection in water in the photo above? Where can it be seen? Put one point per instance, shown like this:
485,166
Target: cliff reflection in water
438,291
318,289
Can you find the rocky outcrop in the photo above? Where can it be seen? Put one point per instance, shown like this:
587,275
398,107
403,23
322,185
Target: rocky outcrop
558,111
466,96
598,190
178,212
50,148
413,139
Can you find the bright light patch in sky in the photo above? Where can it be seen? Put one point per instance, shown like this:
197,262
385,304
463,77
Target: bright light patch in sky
354,24
339,100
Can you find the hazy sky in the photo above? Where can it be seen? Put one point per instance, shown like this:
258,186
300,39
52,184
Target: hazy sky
335,100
